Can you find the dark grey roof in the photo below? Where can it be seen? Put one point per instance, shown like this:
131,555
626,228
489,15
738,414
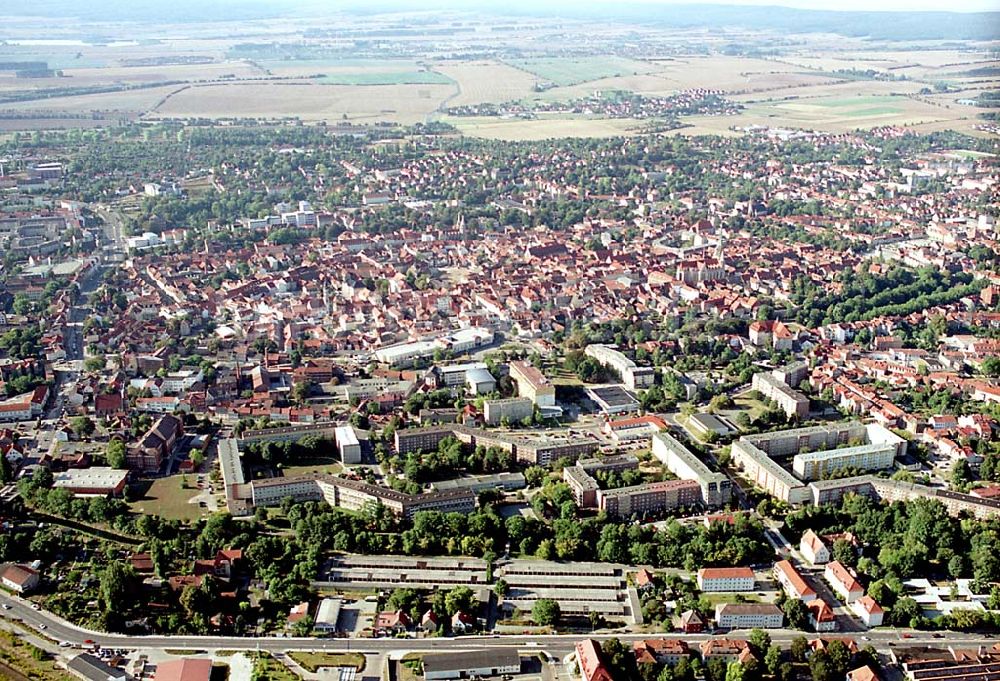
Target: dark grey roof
478,659
91,667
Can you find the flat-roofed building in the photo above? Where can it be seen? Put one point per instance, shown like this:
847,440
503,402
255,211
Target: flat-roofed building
768,474
290,433
533,384
355,495
789,400
408,440
613,399
583,486
748,615
634,377
348,444
471,665
679,460
819,465
649,498
726,579
94,481
818,447
505,481
511,410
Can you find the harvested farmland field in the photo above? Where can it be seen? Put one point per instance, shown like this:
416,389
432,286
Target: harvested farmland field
308,101
544,128
487,82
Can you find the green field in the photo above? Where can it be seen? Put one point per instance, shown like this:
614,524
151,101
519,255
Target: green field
570,71
167,499
846,107
327,465
386,78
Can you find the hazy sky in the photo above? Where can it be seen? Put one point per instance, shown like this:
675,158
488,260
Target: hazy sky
861,5
850,5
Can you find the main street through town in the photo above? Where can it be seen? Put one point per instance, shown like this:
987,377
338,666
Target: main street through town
557,645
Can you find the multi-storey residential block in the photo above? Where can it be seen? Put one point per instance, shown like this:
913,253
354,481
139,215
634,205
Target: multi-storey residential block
792,582
512,410
791,401
679,460
843,580
726,579
633,376
748,615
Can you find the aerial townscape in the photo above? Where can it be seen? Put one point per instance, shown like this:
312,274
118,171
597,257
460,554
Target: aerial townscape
519,342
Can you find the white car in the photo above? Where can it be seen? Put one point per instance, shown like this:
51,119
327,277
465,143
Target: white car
35,606
43,626
65,644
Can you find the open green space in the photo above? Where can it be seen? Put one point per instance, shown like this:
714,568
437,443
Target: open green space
312,662
319,464
168,498
570,71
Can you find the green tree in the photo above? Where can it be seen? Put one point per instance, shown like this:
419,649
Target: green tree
546,612
759,642
82,426
116,454
459,599
799,648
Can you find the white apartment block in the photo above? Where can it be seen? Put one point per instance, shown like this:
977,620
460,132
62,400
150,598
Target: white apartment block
748,616
726,579
633,376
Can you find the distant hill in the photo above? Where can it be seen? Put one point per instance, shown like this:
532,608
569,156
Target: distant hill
882,25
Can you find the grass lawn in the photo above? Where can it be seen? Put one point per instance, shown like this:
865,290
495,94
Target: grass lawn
266,667
754,407
166,498
320,464
311,662
715,599
411,667
18,661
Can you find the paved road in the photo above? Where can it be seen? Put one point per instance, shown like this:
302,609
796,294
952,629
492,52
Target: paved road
555,644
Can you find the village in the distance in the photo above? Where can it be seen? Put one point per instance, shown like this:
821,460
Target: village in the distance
600,368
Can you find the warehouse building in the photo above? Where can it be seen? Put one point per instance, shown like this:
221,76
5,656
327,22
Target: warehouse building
471,665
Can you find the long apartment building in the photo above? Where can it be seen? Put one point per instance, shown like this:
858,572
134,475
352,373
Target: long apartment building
789,400
355,495
748,616
536,450
511,409
642,500
679,460
653,497
818,449
633,376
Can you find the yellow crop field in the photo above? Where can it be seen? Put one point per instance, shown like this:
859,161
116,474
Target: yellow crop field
487,82
404,104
